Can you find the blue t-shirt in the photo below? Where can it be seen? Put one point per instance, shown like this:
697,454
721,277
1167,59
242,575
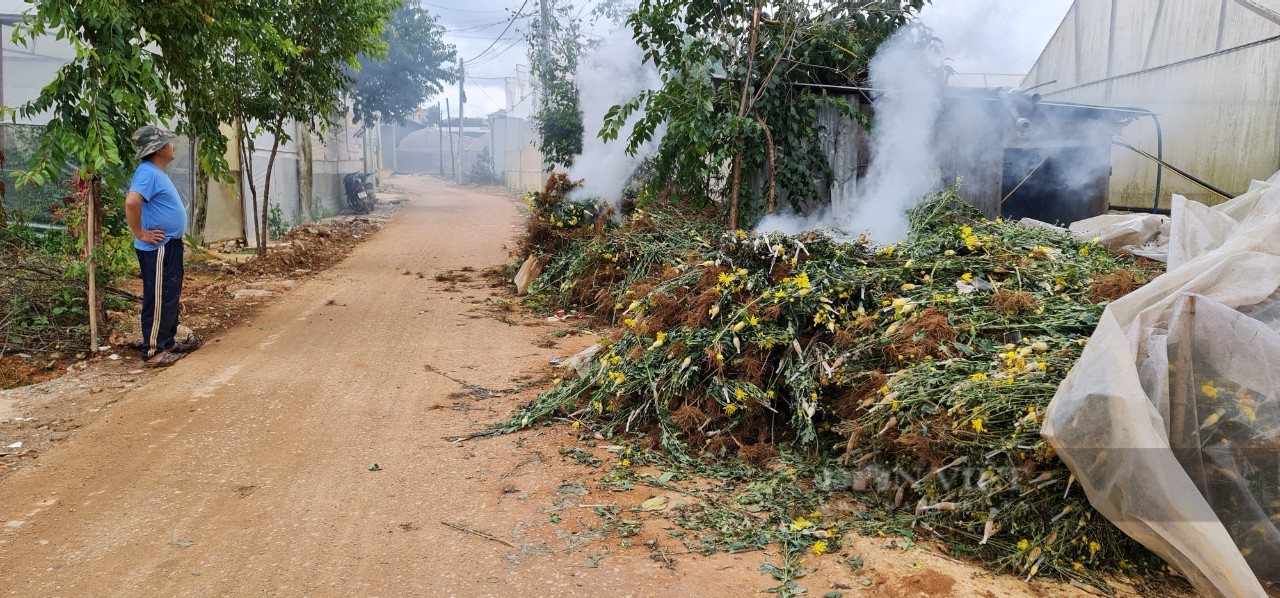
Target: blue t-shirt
161,206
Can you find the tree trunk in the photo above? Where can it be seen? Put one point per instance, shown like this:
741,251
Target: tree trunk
4,216
773,166
306,173
199,200
266,185
93,240
736,188
246,174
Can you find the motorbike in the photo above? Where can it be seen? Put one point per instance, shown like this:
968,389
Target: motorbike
360,189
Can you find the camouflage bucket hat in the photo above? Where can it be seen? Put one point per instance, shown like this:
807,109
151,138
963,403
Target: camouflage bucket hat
149,139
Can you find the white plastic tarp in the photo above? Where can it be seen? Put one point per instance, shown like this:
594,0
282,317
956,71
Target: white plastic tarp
1171,418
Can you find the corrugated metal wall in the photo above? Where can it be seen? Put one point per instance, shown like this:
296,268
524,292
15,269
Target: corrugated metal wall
1209,68
524,169
844,142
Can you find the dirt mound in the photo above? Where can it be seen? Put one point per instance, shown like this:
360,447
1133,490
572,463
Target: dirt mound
311,247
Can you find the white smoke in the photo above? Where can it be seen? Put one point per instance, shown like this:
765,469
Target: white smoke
613,73
988,36
903,165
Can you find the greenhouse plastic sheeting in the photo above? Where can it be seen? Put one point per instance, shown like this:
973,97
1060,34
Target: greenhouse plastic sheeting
1171,419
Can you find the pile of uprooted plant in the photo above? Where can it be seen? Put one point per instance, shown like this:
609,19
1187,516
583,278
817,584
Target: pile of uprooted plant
914,374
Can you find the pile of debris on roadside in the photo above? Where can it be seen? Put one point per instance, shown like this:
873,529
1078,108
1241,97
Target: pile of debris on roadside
921,370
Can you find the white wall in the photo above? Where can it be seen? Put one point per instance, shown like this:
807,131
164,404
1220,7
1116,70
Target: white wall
333,155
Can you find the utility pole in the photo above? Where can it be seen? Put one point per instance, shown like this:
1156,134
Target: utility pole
462,102
452,160
440,145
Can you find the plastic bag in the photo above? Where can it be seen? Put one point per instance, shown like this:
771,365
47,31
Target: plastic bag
1170,420
1146,235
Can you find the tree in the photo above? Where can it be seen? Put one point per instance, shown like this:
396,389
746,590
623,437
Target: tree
555,48
117,82
412,71
734,91
284,72
433,115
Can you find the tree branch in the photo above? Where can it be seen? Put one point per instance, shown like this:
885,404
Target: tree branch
736,188
782,53
773,170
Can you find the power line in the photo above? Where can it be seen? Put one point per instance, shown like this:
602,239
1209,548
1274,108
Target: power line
502,39
486,94
456,28
495,55
458,9
504,31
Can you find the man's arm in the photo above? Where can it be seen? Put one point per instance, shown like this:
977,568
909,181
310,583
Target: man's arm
133,215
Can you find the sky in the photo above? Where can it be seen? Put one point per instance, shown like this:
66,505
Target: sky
476,28
981,36
994,36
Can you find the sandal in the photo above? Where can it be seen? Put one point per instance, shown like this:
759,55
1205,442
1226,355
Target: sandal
192,343
163,359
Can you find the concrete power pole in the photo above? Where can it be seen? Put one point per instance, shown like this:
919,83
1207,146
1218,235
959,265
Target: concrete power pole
453,159
462,121
440,122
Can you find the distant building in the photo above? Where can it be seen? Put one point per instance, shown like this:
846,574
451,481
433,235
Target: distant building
509,142
438,151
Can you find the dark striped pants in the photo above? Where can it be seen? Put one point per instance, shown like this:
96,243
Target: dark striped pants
161,288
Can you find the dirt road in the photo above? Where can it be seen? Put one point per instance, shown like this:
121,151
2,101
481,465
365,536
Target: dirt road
245,470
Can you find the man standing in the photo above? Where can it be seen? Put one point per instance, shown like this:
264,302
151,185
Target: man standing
158,220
